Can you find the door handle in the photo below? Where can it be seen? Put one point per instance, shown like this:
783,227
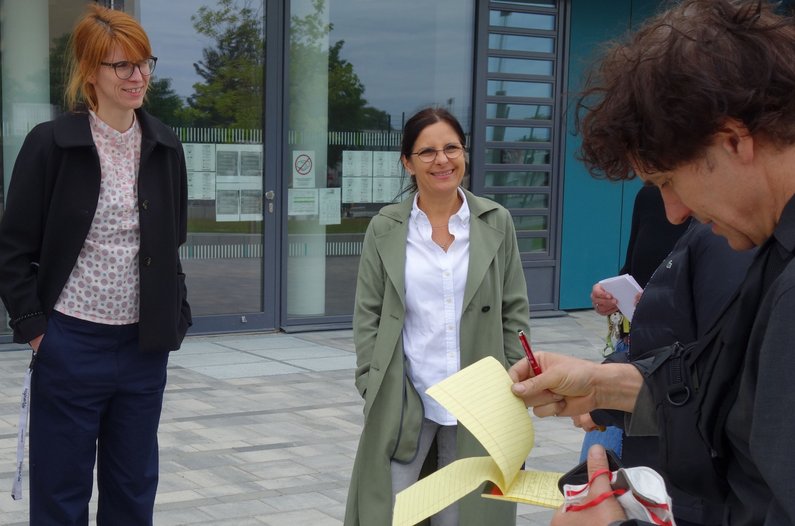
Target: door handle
269,195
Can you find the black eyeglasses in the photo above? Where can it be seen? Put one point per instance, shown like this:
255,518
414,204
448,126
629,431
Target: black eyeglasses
451,151
124,69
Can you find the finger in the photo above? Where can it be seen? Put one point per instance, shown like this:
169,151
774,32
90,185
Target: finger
520,371
601,507
534,395
597,464
534,390
556,408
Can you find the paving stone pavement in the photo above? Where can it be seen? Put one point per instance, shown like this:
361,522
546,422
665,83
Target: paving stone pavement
262,428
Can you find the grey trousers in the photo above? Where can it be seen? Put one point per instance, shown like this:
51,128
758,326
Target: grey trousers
404,475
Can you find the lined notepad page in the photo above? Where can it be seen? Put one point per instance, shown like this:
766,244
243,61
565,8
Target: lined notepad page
480,397
539,488
441,488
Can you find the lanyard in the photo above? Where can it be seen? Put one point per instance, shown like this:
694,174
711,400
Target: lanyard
16,490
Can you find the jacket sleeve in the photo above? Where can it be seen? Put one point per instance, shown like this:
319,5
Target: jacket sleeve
515,306
370,283
770,449
21,231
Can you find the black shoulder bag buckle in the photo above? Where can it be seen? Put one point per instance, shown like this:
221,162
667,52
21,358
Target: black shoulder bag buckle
690,387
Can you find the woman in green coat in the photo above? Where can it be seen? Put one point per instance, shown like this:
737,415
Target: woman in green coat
440,286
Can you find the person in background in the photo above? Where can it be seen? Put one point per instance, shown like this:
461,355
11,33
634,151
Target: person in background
91,278
651,238
699,102
440,286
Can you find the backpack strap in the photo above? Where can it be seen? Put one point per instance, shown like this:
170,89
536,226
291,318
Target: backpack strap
685,382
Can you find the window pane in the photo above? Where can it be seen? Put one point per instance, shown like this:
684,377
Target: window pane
522,179
516,156
532,244
517,134
521,20
523,200
222,257
521,43
349,94
520,66
509,88
531,223
502,110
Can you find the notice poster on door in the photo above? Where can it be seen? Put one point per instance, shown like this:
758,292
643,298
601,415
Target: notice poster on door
302,202
228,174
371,176
329,209
238,182
200,164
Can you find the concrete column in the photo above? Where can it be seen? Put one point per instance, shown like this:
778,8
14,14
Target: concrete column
25,52
306,269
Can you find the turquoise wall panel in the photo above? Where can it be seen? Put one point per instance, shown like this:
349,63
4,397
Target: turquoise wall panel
596,213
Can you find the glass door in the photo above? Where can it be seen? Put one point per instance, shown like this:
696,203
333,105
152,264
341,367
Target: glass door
356,71
209,87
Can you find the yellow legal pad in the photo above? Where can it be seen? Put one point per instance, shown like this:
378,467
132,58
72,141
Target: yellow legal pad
480,397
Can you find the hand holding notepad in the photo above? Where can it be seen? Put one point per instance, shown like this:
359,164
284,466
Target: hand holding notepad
480,397
625,290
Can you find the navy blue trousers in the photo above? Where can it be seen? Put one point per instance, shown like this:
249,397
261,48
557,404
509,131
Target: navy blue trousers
94,396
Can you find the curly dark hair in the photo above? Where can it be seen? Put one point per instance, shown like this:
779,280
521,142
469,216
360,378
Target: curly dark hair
656,100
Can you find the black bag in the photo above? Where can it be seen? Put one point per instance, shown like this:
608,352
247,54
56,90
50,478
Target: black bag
693,387
682,381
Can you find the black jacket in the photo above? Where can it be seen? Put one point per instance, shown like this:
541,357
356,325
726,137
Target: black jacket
682,301
651,236
688,291
51,202
754,444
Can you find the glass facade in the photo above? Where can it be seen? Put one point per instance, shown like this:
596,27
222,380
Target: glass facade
292,138
209,87
353,81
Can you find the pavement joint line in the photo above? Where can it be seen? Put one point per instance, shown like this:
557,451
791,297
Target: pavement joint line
264,447
295,409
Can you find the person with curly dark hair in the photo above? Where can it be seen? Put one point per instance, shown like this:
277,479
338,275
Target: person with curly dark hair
699,101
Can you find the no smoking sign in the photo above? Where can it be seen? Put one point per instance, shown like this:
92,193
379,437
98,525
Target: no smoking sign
303,169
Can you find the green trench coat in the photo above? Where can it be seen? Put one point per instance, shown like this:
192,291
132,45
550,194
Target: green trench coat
495,307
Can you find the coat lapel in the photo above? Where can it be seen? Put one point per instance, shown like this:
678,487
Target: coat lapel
484,241
392,247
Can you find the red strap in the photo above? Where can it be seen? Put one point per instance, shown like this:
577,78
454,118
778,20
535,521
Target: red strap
596,500
574,492
598,473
